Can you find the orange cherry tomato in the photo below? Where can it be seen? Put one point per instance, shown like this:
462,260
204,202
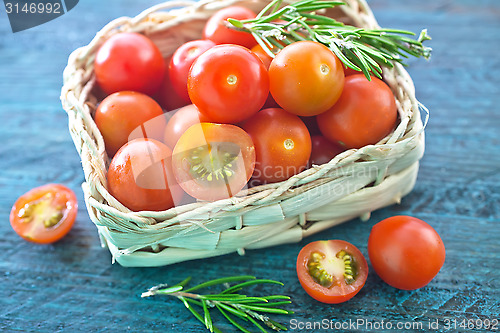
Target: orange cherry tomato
126,115
184,118
44,214
306,78
282,144
364,114
140,176
213,161
331,271
405,252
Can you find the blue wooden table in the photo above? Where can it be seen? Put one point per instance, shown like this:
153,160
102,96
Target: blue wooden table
72,286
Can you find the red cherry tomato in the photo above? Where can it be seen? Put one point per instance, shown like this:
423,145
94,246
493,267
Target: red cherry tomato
364,114
306,78
181,62
266,59
405,252
129,61
44,214
166,96
126,115
228,83
282,144
213,161
331,271
323,150
217,30
140,176
184,118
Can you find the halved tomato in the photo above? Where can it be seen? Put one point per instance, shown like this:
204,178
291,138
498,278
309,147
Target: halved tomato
44,214
331,271
213,161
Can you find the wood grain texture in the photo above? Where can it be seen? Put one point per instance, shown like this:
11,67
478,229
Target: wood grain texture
71,286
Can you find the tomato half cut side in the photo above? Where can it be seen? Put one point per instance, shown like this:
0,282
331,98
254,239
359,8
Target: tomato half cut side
44,214
331,271
213,161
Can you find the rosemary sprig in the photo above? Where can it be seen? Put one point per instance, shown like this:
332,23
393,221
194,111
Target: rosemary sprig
365,50
233,306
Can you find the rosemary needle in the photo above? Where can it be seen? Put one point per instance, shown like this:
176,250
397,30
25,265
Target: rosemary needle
364,50
235,307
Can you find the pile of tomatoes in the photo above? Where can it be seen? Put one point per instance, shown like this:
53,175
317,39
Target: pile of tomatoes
221,114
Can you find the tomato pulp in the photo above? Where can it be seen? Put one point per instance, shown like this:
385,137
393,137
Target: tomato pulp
44,214
213,161
331,271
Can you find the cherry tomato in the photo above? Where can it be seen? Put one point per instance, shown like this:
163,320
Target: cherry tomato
405,252
129,61
306,78
44,214
140,176
228,83
166,96
331,271
349,71
120,114
184,118
266,59
323,150
263,56
217,29
213,161
312,125
181,62
282,144
364,114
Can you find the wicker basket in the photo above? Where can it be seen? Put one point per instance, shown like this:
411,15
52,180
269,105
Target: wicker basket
351,185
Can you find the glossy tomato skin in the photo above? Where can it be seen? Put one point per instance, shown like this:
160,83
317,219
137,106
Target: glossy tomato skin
340,291
228,83
44,214
323,150
365,113
181,62
129,61
140,176
183,118
217,31
306,78
406,252
166,96
282,144
125,115
213,161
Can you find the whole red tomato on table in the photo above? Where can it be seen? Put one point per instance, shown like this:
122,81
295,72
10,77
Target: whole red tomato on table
406,252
